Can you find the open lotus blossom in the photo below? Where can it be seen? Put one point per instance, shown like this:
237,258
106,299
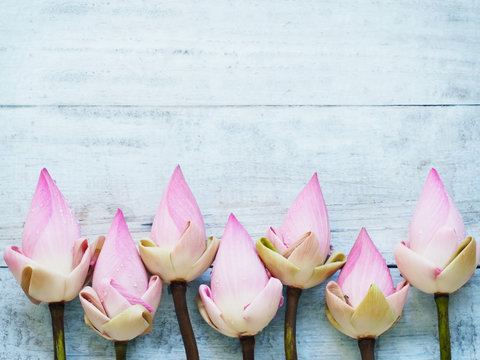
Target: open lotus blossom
438,258
54,260
122,301
178,249
299,252
242,298
363,302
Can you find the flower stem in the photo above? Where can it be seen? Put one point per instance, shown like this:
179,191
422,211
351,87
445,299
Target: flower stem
293,294
443,326
179,289
56,311
367,348
248,347
121,350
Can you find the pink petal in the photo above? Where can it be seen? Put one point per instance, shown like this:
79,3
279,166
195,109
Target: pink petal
264,307
16,260
154,293
238,274
442,247
308,213
188,250
306,252
365,266
276,241
79,249
119,261
51,227
214,313
112,300
435,209
132,299
177,207
418,270
398,298
77,278
93,307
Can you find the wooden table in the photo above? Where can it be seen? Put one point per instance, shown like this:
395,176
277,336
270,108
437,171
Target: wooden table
251,98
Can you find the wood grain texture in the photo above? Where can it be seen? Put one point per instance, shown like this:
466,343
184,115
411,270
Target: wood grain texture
250,98
372,164
250,52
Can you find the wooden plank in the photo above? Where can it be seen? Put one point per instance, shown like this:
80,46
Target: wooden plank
372,163
27,332
230,53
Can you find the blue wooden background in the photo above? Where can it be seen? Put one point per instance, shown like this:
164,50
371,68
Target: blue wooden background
251,98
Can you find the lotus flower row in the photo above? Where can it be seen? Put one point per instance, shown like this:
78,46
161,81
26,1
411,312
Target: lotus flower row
55,263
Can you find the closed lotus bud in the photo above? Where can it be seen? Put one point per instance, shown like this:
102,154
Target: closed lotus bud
242,298
122,301
299,252
54,260
438,257
363,302
178,249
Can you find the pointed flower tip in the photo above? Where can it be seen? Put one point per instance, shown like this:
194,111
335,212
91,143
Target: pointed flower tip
44,172
234,229
45,177
312,189
365,266
178,188
119,225
433,179
177,181
46,183
178,174
118,216
314,181
365,245
364,238
233,225
433,172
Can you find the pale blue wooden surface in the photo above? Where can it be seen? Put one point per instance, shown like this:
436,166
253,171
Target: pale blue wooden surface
250,98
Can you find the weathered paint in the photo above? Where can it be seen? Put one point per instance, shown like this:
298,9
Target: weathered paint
241,95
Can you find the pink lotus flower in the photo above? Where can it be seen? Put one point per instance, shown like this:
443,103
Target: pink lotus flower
122,301
363,302
242,299
178,249
54,260
299,252
438,257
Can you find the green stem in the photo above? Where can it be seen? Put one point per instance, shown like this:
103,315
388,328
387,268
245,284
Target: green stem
179,289
290,343
121,350
443,326
56,311
367,348
248,347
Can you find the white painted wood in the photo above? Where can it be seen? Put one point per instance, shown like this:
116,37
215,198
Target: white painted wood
372,164
248,52
26,333
196,81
